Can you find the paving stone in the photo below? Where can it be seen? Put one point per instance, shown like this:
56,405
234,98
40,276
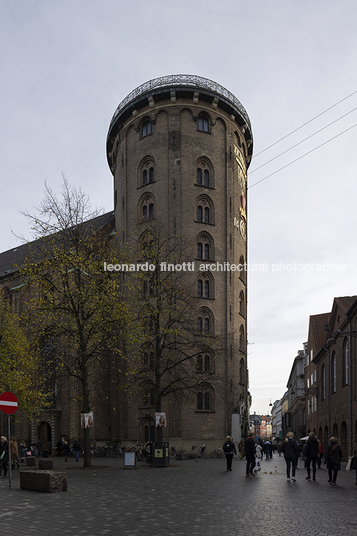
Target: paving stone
185,500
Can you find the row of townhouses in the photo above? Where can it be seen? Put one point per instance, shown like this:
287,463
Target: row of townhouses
321,395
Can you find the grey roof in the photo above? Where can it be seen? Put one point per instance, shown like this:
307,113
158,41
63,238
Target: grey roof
13,259
182,80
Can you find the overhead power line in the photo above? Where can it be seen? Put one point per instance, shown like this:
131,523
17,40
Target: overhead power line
302,156
307,122
302,141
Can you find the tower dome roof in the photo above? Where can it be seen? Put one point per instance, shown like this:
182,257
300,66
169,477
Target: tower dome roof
183,85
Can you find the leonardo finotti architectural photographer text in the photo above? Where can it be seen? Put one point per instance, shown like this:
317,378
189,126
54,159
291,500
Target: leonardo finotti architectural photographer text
227,267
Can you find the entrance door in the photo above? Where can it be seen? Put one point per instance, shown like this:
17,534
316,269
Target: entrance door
44,436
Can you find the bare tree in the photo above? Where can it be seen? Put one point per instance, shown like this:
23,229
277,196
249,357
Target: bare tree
171,340
75,307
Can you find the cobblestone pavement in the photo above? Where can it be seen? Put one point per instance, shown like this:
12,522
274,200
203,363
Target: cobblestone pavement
186,499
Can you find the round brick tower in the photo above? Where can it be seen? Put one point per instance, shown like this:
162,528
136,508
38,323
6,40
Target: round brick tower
179,147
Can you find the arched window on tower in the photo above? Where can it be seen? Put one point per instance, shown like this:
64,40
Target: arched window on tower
206,177
199,176
205,399
151,211
199,250
199,213
199,364
242,269
146,129
203,124
151,175
200,288
206,252
199,324
206,215
205,322
241,302
206,289
241,339
148,211
205,211
146,171
207,363
206,326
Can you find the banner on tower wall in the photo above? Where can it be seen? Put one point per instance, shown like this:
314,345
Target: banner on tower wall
87,420
160,419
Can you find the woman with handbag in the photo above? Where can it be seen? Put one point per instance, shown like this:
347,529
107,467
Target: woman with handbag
333,460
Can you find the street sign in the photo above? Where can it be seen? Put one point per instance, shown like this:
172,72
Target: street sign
8,403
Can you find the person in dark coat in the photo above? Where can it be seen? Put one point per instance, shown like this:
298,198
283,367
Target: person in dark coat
77,447
321,453
333,460
65,450
290,449
311,453
249,449
229,449
59,448
4,452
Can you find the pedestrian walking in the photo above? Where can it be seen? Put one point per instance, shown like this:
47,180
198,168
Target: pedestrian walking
4,455
333,460
23,451
354,460
38,449
258,456
65,450
267,449
290,450
321,453
229,449
241,448
59,448
77,448
298,454
249,449
14,449
312,454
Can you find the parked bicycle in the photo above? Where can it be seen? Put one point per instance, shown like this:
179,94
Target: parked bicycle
217,453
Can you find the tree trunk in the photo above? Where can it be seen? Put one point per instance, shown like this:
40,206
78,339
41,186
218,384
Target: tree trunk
86,431
86,447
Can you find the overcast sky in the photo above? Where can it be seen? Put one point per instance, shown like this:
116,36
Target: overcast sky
65,66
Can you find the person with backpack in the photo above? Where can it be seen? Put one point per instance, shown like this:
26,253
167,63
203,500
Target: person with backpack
229,449
77,448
